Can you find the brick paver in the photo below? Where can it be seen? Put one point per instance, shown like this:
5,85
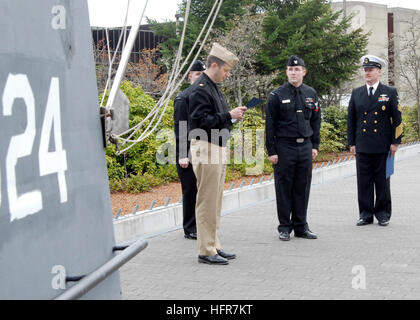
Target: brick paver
267,268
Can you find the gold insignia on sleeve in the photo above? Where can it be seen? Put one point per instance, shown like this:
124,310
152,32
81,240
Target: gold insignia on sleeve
398,131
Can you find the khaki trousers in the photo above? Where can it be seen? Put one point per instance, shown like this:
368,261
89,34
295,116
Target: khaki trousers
209,165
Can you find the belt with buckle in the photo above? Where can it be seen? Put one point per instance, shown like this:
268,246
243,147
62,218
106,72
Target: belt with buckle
291,140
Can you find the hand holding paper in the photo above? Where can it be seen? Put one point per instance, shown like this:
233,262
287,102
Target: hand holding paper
237,113
251,104
393,148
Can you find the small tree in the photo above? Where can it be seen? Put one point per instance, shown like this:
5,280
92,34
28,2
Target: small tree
408,62
245,39
147,74
144,73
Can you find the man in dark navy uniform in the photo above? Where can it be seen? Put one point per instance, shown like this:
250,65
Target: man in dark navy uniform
183,165
292,139
374,133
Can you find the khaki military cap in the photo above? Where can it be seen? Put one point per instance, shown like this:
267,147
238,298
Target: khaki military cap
223,54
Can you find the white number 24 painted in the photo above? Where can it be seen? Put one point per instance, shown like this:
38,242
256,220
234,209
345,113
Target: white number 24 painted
18,86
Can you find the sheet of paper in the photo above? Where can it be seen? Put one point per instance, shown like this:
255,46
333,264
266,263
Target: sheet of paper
389,165
254,102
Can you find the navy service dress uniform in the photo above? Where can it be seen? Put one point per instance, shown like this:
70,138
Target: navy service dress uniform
374,123
292,131
186,175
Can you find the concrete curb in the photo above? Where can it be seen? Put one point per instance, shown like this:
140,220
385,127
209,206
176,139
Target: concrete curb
160,220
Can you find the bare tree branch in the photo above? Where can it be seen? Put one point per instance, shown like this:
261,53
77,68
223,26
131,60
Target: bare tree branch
408,62
245,40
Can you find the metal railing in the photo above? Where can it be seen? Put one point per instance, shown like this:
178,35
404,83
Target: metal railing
91,280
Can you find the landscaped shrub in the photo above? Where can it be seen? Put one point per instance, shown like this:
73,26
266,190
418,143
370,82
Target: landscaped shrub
330,142
138,169
411,124
337,117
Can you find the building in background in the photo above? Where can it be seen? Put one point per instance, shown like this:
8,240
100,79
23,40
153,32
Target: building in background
388,30
143,68
145,40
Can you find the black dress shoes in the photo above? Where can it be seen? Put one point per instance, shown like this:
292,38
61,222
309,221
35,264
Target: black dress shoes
191,235
226,255
216,259
363,222
307,234
383,223
284,236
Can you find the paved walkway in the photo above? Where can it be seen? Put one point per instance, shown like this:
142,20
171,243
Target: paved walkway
267,268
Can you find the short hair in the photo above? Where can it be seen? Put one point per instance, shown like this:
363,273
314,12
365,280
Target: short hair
303,67
212,59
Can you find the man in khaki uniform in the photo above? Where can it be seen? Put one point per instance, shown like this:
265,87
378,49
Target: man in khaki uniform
210,122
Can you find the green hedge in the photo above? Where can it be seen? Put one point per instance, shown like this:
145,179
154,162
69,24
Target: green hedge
337,117
411,124
333,132
138,170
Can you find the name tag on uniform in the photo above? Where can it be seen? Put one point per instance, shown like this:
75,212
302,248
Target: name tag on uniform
286,101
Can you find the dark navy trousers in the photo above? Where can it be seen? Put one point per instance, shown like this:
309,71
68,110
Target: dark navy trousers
371,182
189,197
292,177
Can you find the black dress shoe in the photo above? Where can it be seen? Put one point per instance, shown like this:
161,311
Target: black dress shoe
284,236
216,259
363,222
383,223
307,234
191,235
226,255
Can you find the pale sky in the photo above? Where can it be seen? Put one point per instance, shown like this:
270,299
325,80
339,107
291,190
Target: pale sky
111,13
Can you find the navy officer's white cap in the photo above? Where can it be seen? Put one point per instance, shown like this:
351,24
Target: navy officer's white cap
372,61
